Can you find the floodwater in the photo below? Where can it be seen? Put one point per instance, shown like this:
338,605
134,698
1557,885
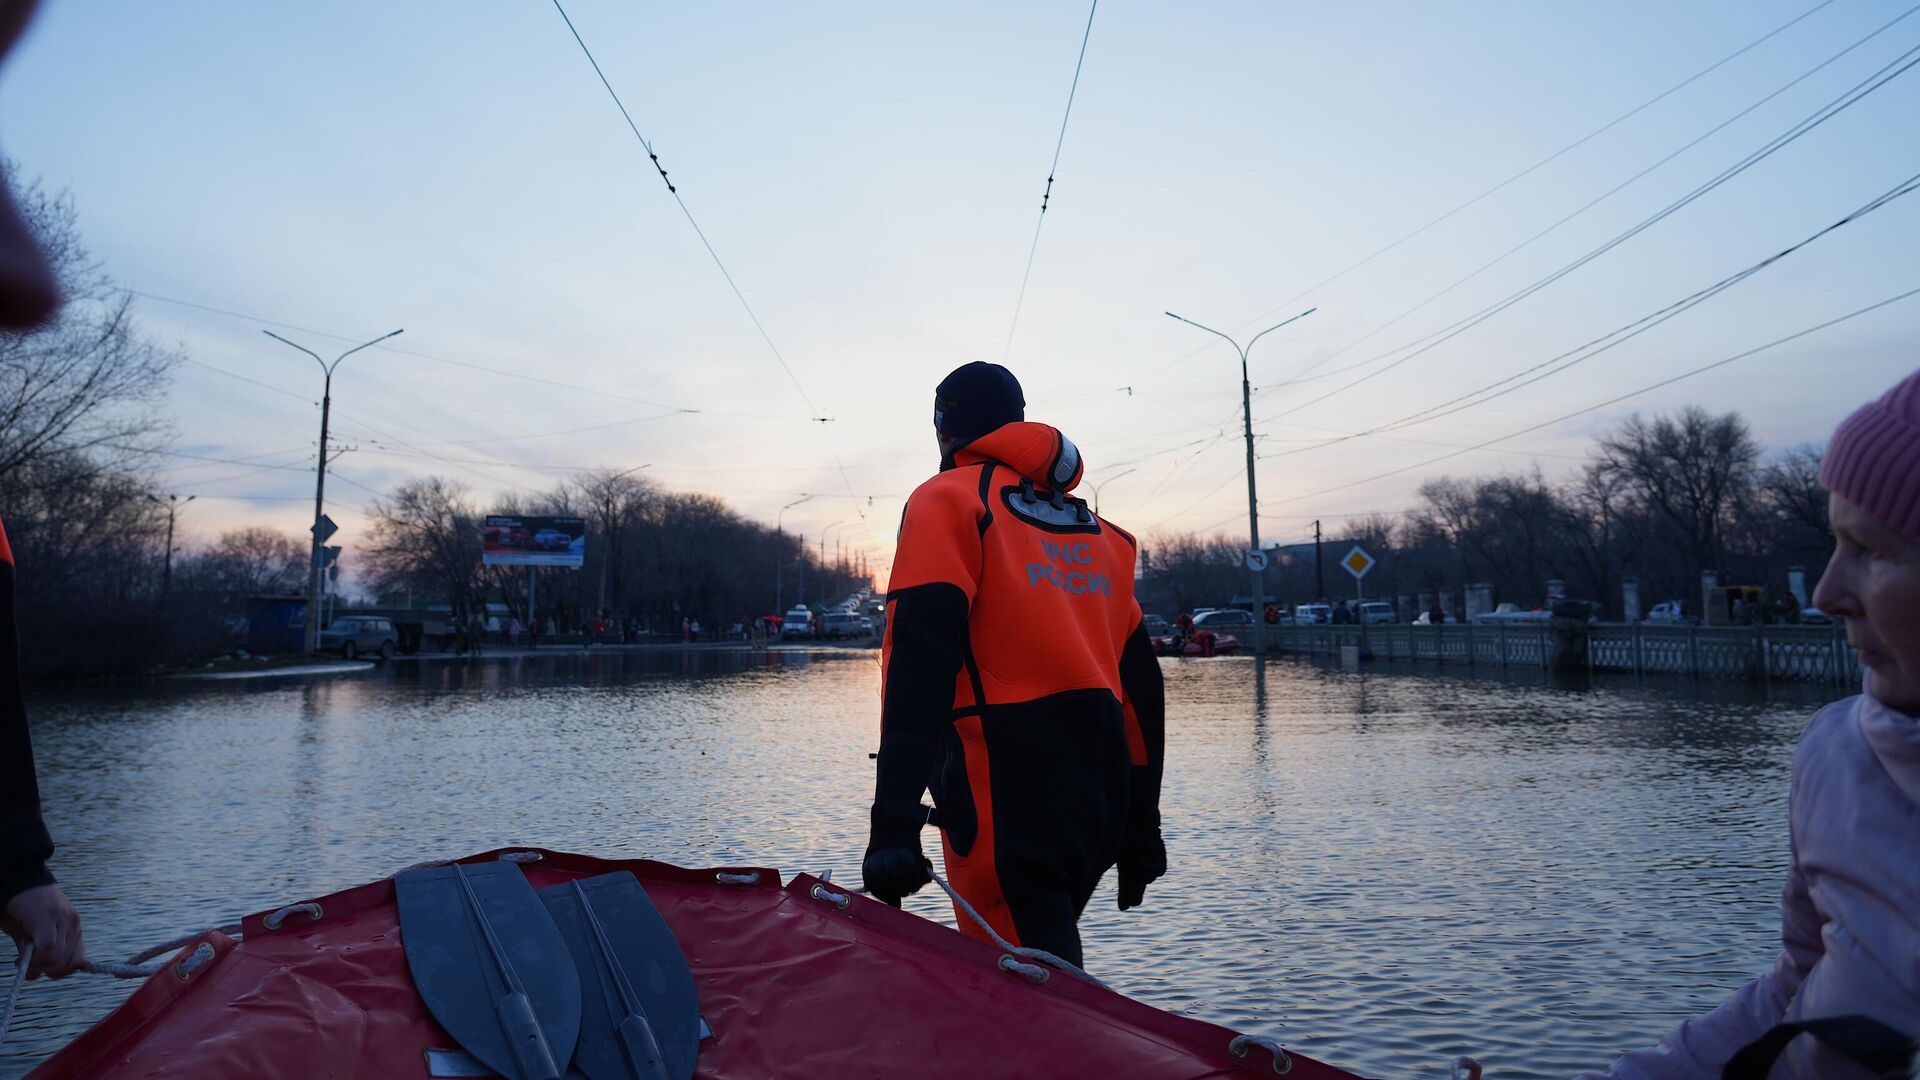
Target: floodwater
1382,870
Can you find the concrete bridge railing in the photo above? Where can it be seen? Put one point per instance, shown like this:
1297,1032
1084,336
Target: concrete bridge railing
1797,653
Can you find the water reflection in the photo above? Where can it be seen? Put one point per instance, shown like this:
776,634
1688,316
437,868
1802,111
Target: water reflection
1383,868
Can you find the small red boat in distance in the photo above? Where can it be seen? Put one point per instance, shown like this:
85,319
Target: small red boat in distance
796,979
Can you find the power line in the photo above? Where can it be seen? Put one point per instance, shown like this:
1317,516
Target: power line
1899,66
1856,313
1052,169
1523,173
1557,154
675,192
715,255
505,373
1344,436
1302,375
1582,353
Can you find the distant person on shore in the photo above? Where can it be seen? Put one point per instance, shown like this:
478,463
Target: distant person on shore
1843,999
1341,614
1018,682
1437,615
33,908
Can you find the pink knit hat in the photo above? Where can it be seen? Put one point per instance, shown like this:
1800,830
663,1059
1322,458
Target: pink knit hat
1874,458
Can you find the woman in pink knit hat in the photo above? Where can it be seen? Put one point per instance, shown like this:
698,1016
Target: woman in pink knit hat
1843,999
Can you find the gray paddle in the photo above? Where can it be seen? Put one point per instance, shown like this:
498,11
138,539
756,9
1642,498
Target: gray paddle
640,1013
491,966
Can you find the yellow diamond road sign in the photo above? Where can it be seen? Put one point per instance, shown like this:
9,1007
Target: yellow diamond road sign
1358,562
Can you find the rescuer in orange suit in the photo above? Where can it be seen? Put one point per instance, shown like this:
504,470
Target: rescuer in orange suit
1019,683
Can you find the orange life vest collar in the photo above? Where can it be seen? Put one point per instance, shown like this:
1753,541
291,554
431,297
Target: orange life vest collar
1036,451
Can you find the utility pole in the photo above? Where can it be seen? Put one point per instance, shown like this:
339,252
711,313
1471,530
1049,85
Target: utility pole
1319,572
320,478
1253,498
780,556
173,505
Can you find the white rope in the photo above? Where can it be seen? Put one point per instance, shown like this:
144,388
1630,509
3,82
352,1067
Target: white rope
13,995
1240,1045
725,878
1041,955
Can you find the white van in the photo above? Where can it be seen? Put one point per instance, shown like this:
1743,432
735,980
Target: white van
1376,611
797,623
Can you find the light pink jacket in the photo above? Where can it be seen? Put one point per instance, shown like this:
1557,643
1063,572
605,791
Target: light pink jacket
1850,918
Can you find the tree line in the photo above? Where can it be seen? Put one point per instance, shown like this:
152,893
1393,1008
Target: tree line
1661,500
652,555
82,430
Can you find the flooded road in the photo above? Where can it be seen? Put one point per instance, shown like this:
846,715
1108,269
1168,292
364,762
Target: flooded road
1382,870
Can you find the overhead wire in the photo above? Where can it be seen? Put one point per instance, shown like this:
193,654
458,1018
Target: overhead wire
1304,374
1688,374
674,191
1522,174
1047,195
1894,69
506,373
1613,338
1555,156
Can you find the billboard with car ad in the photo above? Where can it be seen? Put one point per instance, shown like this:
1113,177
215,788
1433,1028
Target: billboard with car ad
527,540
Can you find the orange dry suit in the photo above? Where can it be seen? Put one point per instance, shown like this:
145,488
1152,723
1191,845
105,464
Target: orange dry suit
1020,685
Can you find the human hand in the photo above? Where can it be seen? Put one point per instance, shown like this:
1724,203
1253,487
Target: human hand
891,873
1143,861
43,916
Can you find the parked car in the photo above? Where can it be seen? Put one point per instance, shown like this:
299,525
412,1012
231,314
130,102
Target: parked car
798,623
552,540
1156,626
1202,643
839,624
1585,611
1376,611
356,634
1511,613
1310,614
1223,619
1813,616
1425,618
1668,613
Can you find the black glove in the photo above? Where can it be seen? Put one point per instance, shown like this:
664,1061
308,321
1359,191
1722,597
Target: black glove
1141,861
893,867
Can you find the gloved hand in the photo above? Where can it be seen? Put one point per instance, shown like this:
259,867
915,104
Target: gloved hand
1142,860
894,867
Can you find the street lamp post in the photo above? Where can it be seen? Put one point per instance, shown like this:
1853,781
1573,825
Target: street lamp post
320,478
1104,483
173,504
780,557
1253,499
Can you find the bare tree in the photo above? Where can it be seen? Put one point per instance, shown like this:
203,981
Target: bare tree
252,561
619,503
425,537
1691,472
86,382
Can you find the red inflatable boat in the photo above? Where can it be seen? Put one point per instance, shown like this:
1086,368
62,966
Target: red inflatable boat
801,979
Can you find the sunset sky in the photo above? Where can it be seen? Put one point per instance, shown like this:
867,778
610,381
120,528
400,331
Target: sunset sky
870,174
